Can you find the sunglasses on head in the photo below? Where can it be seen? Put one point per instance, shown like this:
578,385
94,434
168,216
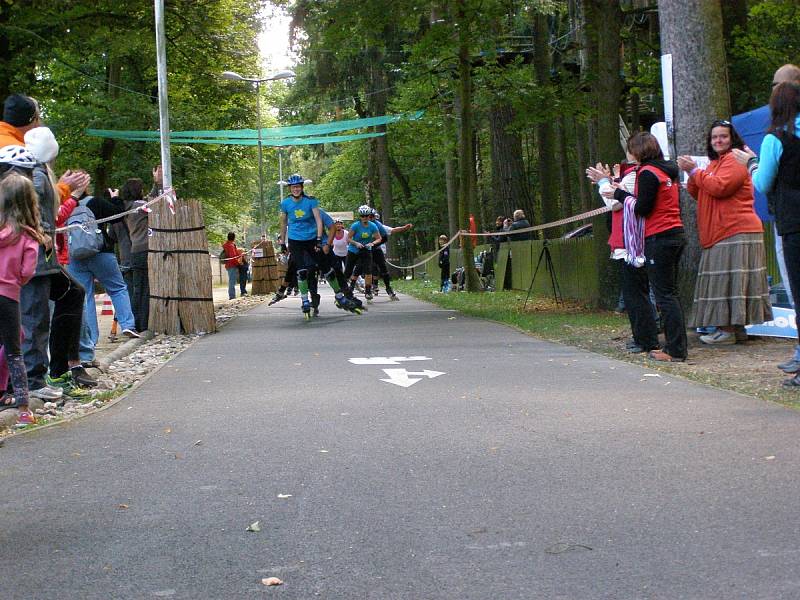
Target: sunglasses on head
721,123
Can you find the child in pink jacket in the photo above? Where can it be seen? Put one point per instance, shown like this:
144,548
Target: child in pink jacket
20,236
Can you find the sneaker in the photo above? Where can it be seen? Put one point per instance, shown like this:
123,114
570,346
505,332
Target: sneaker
130,333
81,378
790,366
26,418
47,393
719,338
794,382
276,298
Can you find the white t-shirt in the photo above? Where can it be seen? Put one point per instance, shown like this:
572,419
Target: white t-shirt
340,245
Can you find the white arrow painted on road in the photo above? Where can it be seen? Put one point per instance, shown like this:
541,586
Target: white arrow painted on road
384,360
404,378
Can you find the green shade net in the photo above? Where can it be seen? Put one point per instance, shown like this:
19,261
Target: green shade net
325,139
271,133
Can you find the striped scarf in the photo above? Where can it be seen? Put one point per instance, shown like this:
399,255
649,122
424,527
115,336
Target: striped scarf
633,233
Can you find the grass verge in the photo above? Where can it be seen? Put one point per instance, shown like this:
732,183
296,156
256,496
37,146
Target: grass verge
748,369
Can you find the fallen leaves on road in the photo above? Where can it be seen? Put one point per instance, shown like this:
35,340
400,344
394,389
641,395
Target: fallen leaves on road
769,458
562,547
271,581
651,375
254,527
282,496
122,506
198,442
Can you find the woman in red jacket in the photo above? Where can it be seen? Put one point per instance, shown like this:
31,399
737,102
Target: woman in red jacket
731,289
657,201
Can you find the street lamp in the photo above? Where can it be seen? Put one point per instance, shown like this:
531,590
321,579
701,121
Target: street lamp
232,76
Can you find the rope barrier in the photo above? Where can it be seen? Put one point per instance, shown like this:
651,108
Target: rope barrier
168,193
580,217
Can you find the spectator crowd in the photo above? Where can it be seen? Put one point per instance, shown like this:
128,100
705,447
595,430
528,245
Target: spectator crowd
48,319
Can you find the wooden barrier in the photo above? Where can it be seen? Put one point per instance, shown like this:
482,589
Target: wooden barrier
264,267
181,299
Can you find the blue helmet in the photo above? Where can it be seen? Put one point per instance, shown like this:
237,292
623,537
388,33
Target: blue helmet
295,179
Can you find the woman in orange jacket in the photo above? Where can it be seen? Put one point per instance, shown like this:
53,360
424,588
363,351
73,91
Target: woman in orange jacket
731,289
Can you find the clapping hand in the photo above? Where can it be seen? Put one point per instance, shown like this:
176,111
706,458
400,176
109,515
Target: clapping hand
598,172
743,156
686,163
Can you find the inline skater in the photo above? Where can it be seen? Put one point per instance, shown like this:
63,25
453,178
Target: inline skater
379,257
301,232
364,235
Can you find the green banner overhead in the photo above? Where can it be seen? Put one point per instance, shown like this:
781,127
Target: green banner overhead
269,136
325,139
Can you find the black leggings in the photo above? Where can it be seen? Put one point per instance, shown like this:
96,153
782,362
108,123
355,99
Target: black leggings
10,327
363,260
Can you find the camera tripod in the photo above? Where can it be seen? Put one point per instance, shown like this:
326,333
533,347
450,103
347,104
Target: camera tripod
548,259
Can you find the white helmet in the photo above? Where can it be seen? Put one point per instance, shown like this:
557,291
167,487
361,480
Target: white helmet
364,210
17,156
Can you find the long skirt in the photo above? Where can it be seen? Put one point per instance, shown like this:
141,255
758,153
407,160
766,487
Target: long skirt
731,286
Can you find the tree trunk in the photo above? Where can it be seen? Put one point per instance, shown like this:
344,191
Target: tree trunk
545,134
466,159
452,197
378,82
509,184
582,150
565,170
107,147
602,25
692,32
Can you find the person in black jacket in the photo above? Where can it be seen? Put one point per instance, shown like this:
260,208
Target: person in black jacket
104,267
444,264
520,222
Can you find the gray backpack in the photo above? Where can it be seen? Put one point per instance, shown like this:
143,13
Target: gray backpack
87,240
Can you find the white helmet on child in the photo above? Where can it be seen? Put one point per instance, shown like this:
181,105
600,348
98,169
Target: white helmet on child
364,210
17,156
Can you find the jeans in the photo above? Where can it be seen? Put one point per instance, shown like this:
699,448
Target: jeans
782,264
663,252
636,295
60,335
233,277
105,268
791,253
140,298
243,279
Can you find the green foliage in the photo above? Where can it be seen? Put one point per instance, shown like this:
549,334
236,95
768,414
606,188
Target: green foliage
771,39
92,64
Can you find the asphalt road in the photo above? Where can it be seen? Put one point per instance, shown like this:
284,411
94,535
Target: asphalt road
524,470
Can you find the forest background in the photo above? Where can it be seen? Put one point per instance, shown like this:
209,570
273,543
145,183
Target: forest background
519,96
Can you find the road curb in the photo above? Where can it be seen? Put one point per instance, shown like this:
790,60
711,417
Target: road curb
125,349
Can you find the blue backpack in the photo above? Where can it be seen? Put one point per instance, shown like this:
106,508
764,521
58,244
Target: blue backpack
87,240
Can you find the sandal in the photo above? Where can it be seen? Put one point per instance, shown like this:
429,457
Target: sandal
661,356
5,405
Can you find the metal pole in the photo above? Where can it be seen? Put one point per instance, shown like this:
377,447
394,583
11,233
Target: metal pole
163,102
280,171
261,212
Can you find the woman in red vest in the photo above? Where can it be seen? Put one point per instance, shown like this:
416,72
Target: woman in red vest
731,289
657,202
635,286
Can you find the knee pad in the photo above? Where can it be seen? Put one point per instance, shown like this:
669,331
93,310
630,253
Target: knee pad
302,274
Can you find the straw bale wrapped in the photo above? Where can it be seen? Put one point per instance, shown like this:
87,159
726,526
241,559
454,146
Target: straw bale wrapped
181,299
